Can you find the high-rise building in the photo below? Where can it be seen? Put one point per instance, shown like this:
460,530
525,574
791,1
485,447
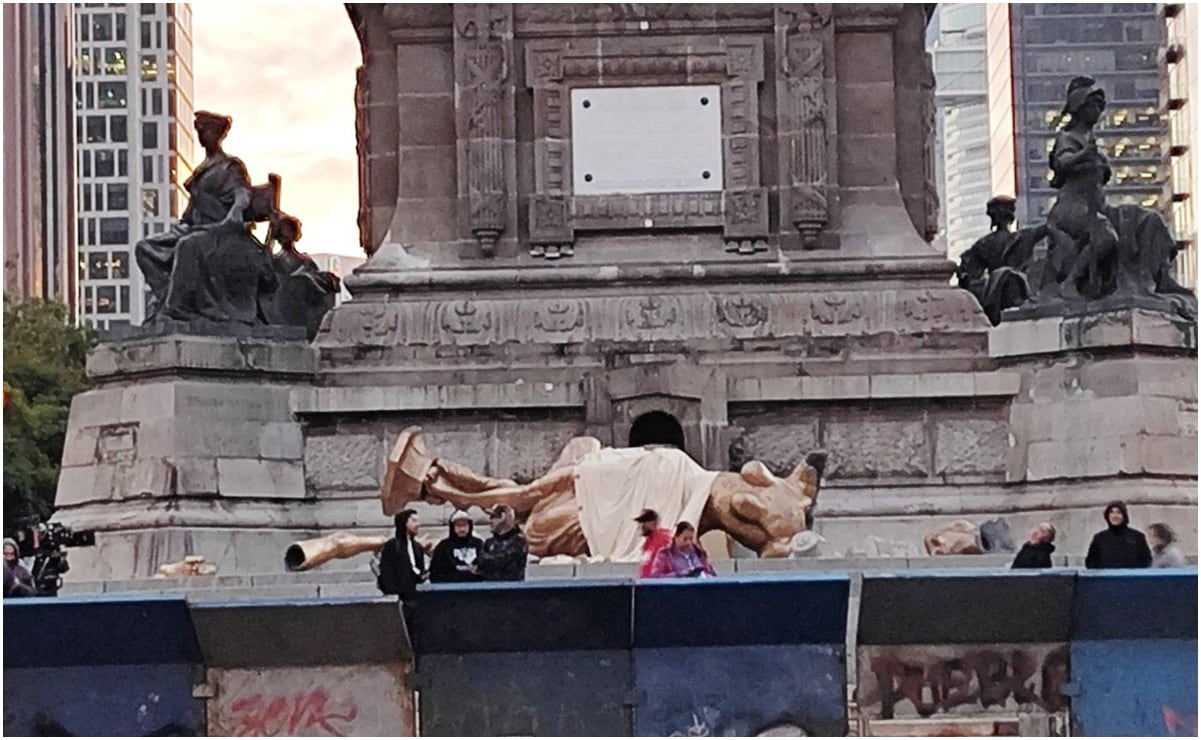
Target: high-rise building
133,99
39,230
1049,44
1181,95
340,265
956,43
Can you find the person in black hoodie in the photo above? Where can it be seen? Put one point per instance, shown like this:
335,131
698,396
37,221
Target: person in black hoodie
1036,553
1119,546
402,561
504,555
455,556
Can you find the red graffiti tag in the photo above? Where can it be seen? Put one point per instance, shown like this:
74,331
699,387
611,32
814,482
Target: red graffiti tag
304,713
1182,725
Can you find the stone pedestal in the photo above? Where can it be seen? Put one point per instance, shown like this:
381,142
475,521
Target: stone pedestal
1107,409
187,445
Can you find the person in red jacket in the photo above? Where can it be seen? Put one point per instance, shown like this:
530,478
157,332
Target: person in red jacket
655,538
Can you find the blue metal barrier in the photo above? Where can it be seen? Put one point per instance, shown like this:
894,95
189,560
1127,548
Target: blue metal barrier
741,656
1134,653
100,666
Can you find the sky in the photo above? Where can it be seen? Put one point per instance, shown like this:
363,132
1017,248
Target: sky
286,74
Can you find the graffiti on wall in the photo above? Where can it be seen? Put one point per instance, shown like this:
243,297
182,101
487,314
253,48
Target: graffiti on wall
922,681
1179,724
325,701
309,712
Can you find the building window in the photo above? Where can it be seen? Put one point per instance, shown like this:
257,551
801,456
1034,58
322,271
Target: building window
114,231
117,129
84,25
87,200
147,169
120,31
149,68
106,299
104,163
118,197
114,62
88,305
90,95
83,62
119,265
112,94
102,27
85,163
156,101
122,163
146,8
149,201
98,265
95,129
123,305
149,135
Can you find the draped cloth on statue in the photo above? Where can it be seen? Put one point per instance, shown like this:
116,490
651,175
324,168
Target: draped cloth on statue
613,485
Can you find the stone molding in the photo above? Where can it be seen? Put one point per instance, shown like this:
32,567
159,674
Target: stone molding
1114,329
185,355
929,270
898,386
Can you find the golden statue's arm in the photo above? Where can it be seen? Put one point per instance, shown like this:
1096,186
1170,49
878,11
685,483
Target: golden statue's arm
308,554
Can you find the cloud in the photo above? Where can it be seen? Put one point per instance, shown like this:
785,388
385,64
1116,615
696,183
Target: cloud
286,74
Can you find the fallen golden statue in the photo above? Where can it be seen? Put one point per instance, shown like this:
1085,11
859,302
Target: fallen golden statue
586,502
308,554
191,565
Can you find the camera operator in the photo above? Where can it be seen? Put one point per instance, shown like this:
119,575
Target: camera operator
17,579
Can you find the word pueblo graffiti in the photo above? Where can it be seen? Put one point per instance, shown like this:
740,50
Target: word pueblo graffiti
305,713
926,681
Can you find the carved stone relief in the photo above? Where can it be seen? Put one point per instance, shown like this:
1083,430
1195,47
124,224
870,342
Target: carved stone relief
483,54
870,448
803,37
685,316
971,446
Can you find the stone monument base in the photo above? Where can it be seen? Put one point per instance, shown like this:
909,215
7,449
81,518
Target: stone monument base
188,446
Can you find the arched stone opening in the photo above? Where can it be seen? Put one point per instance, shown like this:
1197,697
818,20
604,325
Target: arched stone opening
656,428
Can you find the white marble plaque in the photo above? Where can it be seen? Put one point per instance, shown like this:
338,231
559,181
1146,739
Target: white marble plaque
646,139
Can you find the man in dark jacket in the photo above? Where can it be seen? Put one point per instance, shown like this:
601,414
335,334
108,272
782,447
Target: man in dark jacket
1036,553
504,555
1119,546
455,556
402,561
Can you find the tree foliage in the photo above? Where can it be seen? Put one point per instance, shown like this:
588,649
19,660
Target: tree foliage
44,355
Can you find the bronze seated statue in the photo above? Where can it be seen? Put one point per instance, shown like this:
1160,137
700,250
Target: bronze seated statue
209,266
1099,257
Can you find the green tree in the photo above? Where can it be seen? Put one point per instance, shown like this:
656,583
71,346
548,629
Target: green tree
44,355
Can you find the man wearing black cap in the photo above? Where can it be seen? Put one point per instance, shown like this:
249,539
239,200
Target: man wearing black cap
504,555
655,538
402,561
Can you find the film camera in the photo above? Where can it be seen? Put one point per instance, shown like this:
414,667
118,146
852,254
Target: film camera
45,543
